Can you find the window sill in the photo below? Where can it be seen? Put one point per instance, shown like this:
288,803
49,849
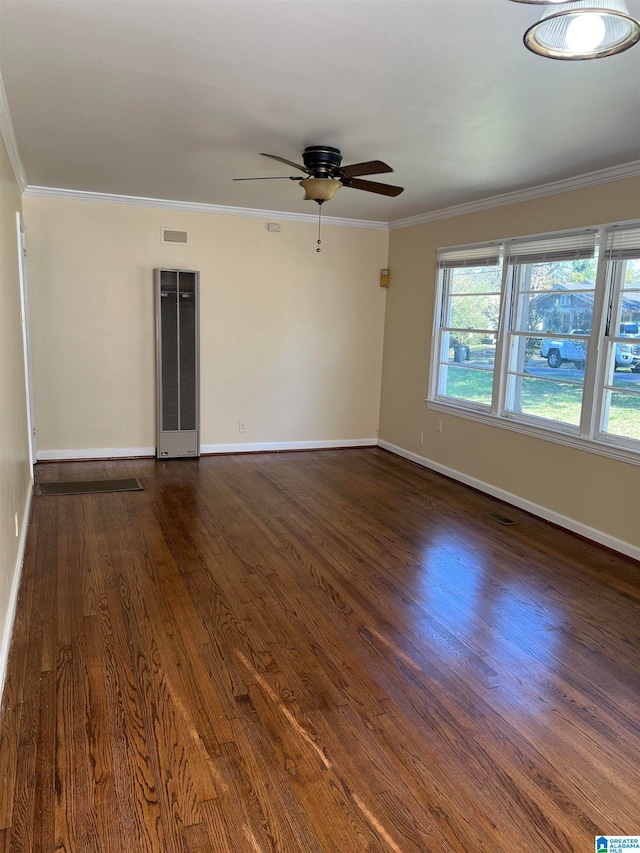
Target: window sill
570,440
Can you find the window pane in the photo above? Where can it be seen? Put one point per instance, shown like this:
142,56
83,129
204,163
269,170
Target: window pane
467,353
547,357
541,383
466,367
476,279
562,354
556,297
552,399
567,313
627,354
621,398
525,354
561,275
546,372
475,312
467,383
622,413
621,403
478,351
628,325
632,274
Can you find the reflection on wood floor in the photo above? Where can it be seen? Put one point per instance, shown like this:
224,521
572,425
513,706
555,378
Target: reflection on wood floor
330,651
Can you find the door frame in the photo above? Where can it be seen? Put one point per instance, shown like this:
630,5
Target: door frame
26,339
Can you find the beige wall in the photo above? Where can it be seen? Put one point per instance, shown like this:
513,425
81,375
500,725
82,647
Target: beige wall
14,452
595,491
291,340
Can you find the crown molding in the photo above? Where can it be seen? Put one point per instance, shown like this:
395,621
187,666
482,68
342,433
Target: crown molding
590,179
602,176
198,207
9,138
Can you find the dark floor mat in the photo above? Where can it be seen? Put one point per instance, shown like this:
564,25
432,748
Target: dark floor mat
86,487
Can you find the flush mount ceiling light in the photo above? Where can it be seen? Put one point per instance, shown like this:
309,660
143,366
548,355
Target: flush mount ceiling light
583,29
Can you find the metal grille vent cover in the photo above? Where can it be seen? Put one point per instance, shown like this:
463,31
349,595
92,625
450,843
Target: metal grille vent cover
501,519
170,235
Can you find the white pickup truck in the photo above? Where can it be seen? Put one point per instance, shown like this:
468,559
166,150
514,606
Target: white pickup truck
565,349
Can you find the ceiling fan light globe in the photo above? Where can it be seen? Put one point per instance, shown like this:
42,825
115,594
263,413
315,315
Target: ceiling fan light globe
319,189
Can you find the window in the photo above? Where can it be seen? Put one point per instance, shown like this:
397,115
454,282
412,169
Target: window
553,285
471,308
620,397
543,334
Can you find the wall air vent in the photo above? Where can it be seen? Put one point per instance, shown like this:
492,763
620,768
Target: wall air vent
501,519
170,235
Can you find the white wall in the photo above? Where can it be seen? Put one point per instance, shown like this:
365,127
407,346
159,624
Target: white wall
591,494
14,453
291,340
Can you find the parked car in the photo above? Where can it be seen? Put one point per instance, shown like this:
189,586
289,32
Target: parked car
558,351
628,355
629,351
561,350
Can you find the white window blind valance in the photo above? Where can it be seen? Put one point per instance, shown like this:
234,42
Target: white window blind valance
623,244
570,247
469,256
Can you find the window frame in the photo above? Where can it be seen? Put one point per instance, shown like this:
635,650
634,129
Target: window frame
588,434
614,272
446,308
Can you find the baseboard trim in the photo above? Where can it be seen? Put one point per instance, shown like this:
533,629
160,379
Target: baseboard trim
15,586
270,446
93,453
564,521
205,449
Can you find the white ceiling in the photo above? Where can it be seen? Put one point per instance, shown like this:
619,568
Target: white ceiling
171,99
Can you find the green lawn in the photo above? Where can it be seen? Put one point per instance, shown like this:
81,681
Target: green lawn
552,398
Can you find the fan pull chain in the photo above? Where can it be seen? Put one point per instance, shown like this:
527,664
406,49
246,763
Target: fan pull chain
319,241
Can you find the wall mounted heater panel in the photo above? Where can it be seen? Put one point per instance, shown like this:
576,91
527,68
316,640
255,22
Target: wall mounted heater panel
177,363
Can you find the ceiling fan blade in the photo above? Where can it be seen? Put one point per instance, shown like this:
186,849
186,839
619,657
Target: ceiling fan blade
373,187
288,162
275,178
372,167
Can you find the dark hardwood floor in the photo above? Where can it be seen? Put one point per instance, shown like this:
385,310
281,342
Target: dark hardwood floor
321,652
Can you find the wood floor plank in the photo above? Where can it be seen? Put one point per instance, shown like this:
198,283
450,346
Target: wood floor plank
135,787
44,779
9,738
23,814
328,652
197,839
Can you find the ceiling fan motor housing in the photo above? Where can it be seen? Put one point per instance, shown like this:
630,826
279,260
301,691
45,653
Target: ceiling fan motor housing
322,160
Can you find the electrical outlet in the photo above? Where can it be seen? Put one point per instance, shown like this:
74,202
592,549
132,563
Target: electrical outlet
15,518
439,425
242,427
421,437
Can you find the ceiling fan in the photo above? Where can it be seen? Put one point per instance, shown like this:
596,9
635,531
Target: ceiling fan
326,175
